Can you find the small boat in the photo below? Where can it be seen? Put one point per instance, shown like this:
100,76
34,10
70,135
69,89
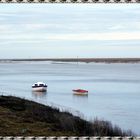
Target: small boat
39,86
80,92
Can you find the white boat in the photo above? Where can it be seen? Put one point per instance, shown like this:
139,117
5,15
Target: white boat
39,86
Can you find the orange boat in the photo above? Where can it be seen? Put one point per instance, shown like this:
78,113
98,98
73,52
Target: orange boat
80,92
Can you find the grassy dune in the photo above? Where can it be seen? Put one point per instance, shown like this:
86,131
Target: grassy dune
22,117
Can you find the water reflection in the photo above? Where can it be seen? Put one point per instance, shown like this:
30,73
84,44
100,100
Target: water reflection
80,97
38,94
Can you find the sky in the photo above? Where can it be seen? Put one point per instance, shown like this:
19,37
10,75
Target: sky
69,30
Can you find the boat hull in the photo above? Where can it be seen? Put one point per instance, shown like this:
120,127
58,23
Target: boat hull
80,93
39,89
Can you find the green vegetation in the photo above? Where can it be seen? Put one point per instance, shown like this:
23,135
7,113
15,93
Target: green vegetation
22,117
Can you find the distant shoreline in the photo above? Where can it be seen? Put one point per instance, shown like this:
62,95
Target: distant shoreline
86,60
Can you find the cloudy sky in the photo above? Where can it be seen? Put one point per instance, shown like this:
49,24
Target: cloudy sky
69,30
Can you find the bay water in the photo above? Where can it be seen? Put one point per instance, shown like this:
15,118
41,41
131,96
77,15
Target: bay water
114,89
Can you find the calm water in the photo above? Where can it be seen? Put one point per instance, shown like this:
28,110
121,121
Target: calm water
114,89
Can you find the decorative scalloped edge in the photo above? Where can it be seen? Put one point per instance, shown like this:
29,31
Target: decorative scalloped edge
66,138
69,1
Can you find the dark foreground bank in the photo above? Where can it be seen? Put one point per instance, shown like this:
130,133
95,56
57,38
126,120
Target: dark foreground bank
22,117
